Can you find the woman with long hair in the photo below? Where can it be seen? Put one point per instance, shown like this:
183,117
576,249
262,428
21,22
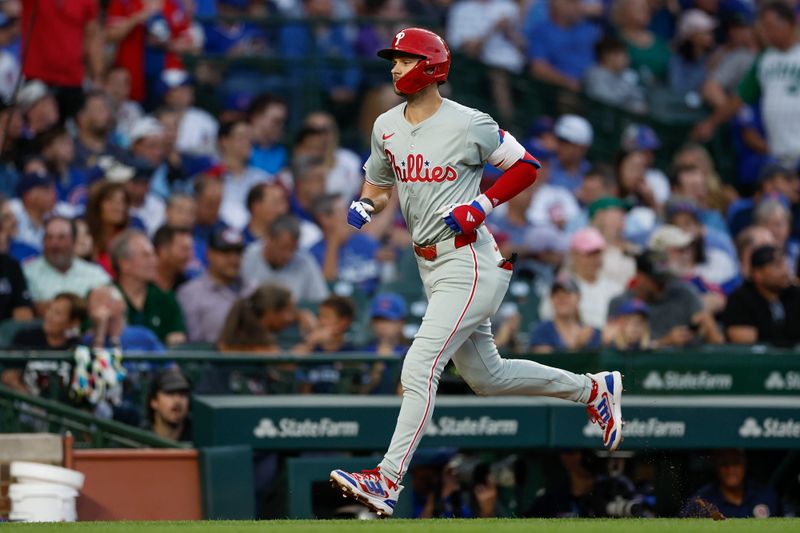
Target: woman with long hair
253,321
106,217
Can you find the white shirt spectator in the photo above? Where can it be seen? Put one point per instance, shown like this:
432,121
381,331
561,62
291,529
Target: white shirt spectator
233,210
302,275
9,74
477,19
553,206
45,282
345,178
151,213
197,133
595,298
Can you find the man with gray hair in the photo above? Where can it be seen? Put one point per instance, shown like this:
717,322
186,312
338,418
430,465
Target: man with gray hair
774,215
134,260
58,269
278,260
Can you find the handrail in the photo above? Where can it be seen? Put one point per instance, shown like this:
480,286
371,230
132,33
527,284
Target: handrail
20,356
80,421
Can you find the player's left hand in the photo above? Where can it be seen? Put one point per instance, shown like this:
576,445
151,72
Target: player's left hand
465,218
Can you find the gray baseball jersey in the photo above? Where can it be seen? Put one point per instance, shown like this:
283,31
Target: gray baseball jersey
434,164
437,163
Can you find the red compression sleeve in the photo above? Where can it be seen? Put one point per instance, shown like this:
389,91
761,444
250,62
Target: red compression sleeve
513,181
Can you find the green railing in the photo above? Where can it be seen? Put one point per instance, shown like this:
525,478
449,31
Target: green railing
23,413
722,369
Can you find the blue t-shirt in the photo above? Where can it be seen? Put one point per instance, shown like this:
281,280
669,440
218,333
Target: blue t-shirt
270,159
221,38
546,334
568,50
22,251
73,188
135,339
570,180
357,262
758,502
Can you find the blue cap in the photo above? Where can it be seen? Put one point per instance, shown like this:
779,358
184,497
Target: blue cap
632,307
640,137
388,305
31,181
682,204
237,101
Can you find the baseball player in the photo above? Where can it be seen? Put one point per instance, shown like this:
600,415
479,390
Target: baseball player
433,151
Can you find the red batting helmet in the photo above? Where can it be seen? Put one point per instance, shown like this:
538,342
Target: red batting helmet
427,45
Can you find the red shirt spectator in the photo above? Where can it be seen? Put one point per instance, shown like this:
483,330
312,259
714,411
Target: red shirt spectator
125,22
63,32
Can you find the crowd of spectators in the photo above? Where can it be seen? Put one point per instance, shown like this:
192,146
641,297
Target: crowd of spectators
131,217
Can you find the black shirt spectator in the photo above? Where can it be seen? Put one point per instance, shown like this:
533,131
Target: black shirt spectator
766,308
15,300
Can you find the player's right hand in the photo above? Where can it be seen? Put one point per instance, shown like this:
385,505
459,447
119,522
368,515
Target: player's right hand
360,212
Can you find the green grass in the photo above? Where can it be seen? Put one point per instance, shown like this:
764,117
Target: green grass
783,525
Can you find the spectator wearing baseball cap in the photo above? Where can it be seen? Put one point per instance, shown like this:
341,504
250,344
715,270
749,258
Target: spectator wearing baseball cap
168,405
197,130
688,67
714,255
36,198
627,328
766,308
775,181
607,214
586,262
387,319
644,139
38,107
574,135
675,307
207,299
565,331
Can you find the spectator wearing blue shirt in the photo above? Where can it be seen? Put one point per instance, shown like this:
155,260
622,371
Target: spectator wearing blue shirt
688,67
774,182
267,115
574,137
562,49
309,46
565,331
232,37
387,319
732,493
344,254
58,151
336,315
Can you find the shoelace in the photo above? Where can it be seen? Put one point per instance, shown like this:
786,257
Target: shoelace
374,473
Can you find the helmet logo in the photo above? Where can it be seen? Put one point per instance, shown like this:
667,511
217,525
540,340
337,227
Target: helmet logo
398,37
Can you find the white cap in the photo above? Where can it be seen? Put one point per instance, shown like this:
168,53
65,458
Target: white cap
667,237
31,92
145,127
574,129
174,77
694,21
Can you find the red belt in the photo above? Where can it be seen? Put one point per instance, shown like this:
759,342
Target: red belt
429,252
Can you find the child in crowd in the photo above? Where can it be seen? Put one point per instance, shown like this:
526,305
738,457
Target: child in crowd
387,318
